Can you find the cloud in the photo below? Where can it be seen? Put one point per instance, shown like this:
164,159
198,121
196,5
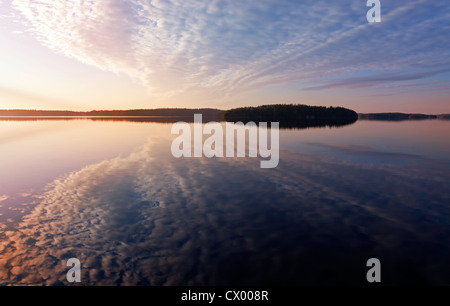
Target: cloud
375,80
226,47
3,198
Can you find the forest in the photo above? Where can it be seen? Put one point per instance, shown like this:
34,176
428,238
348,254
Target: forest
294,115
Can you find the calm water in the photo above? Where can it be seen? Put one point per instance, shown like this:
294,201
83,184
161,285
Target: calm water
86,189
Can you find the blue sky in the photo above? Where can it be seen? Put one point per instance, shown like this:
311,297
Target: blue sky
109,54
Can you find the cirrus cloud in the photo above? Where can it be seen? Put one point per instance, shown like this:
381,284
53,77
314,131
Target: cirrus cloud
227,46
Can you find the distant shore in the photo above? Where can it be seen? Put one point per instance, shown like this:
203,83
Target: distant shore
160,112
289,115
401,116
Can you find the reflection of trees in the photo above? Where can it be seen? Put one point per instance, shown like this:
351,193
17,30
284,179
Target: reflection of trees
143,119
294,116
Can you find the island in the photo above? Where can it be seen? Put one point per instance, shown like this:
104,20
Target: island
294,115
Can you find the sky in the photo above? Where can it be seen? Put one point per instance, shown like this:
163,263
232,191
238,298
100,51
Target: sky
128,54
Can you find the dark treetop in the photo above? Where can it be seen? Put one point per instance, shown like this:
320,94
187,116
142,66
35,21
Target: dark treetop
294,115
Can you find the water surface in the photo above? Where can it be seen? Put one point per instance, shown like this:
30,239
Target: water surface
87,189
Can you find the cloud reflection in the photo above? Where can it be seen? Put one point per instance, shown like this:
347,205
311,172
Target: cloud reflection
226,221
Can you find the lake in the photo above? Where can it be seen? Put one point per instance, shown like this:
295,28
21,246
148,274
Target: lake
110,193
